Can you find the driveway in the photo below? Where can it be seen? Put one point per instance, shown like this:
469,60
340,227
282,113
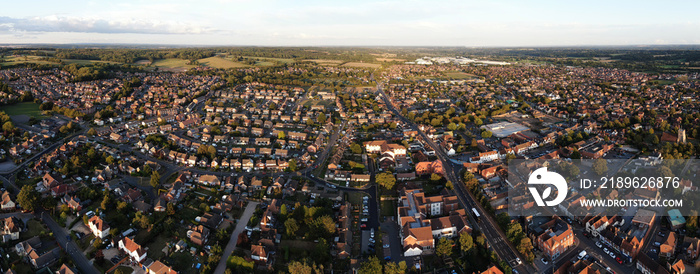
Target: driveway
240,227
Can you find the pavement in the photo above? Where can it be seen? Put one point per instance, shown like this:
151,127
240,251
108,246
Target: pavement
240,227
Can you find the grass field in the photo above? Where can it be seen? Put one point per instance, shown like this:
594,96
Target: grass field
388,208
27,108
218,62
390,60
361,65
325,62
173,64
269,61
29,59
125,269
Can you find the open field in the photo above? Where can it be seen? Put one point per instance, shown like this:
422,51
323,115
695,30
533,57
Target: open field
27,108
173,64
218,62
323,62
269,60
143,62
21,60
361,65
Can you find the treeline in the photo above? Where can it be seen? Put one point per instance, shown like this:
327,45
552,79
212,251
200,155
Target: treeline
128,56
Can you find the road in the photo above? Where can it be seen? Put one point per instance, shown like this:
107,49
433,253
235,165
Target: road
69,246
240,227
494,235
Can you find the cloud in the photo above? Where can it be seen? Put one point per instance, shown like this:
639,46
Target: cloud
97,25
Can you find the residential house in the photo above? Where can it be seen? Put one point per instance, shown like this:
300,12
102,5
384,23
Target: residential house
135,252
98,227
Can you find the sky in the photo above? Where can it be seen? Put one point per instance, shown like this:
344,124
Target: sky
351,23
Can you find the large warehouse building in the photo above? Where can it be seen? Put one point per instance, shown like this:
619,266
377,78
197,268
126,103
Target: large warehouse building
504,129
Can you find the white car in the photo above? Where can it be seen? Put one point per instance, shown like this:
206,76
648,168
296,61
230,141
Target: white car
598,244
386,245
518,260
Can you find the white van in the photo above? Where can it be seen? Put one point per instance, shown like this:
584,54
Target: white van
582,254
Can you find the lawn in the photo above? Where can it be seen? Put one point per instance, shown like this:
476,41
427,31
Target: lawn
27,108
173,64
188,214
155,248
34,228
325,62
125,269
181,261
29,59
388,208
218,62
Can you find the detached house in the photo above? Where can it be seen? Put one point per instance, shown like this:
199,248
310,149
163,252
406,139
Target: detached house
7,203
98,227
132,249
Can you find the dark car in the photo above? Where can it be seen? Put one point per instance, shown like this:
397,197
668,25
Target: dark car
115,260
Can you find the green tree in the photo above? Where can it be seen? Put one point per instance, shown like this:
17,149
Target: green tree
575,154
281,135
600,166
296,267
321,119
106,201
109,160
142,220
291,227
466,242
28,197
444,247
155,179
91,132
386,180
394,268
435,177
8,126
486,134
452,126
293,165
356,148
371,266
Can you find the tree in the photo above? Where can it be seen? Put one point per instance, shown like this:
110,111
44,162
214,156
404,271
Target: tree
324,226
170,209
296,267
575,154
291,227
486,134
8,126
109,160
28,197
393,268
155,179
142,220
386,180
466,242
371,266
452,126
91,132
281,135
121,206
600,166
106,201
435,177
444,247
292,165
356,148
321,119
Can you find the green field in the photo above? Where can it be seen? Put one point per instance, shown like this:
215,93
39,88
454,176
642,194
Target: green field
218,62
459,75
27,108
268,61
29,59
173,64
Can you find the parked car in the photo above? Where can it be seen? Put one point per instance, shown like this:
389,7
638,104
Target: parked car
544,261
618,260
598,244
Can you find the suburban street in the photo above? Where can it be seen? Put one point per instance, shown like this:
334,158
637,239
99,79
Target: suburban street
488,226
240,227
68,245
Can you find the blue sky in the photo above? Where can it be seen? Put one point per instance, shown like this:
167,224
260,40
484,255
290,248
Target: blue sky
319,23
